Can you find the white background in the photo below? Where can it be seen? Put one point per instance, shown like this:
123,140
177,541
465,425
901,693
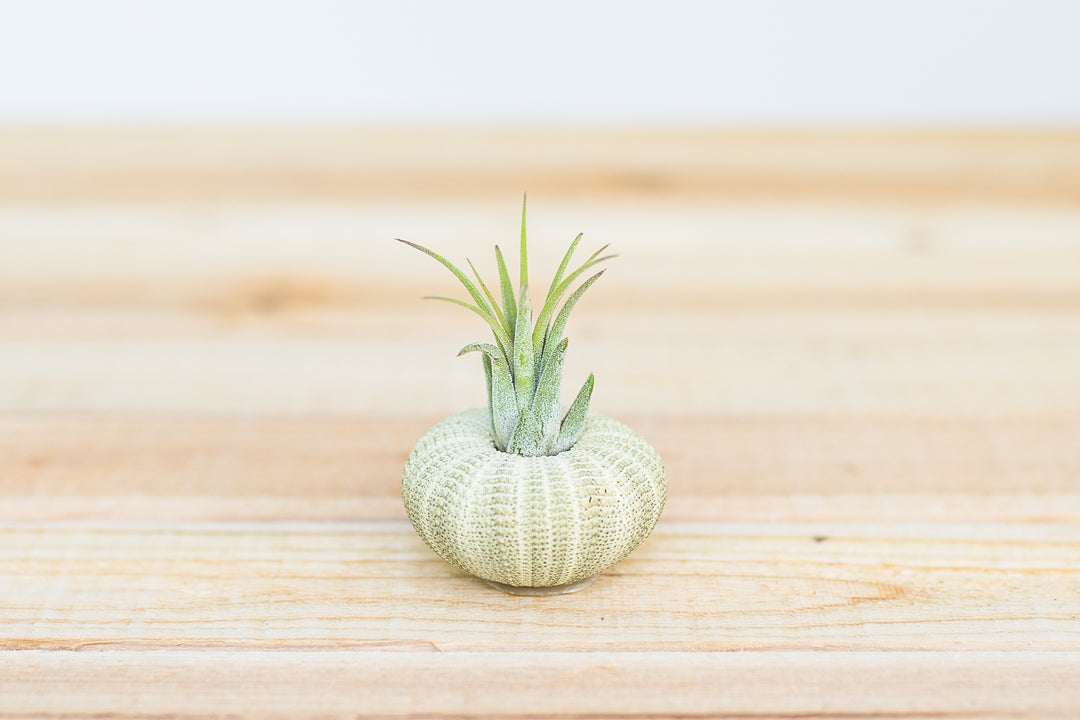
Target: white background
487,61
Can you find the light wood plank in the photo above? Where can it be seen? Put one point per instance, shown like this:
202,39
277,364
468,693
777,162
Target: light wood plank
692,586
124,465
772,363
540,685
238,260
1048,510
184,165
856,352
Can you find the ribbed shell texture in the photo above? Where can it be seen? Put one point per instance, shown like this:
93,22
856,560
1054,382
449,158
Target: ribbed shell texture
532,521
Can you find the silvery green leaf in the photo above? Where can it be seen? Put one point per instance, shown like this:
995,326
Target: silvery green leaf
547,406
504,411
487,385
500,335
506,289
495,352
472,290
501,398
527,439
542,320
524,369
498,312
554,336
562,266
556,293
574,422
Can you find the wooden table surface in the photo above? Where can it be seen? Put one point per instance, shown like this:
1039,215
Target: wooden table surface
858,354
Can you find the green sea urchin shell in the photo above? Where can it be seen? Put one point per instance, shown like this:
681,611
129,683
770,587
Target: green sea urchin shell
532,521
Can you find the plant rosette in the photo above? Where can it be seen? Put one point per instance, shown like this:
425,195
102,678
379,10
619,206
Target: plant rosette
531,499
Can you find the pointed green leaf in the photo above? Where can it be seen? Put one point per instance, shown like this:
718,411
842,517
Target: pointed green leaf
476,296
549,300
527,439
486,348
554,336
562,266
554,296
592,262
507,290
524,368
547,406
487,386
501,336
504,411
505,415
573,425
595,255
491,298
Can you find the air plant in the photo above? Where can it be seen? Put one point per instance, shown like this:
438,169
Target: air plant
523,370
530,498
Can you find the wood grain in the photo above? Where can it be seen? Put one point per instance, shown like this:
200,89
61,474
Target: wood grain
691,587
249,164
858,353
338,684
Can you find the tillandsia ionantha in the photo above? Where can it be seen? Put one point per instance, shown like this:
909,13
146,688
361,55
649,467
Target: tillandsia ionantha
523,370
529,498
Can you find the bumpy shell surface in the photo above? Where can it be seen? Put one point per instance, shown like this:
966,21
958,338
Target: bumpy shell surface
532,521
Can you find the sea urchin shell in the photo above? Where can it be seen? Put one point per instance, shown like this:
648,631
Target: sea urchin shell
532,522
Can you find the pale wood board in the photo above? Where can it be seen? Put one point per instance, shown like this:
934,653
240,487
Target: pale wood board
857,352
